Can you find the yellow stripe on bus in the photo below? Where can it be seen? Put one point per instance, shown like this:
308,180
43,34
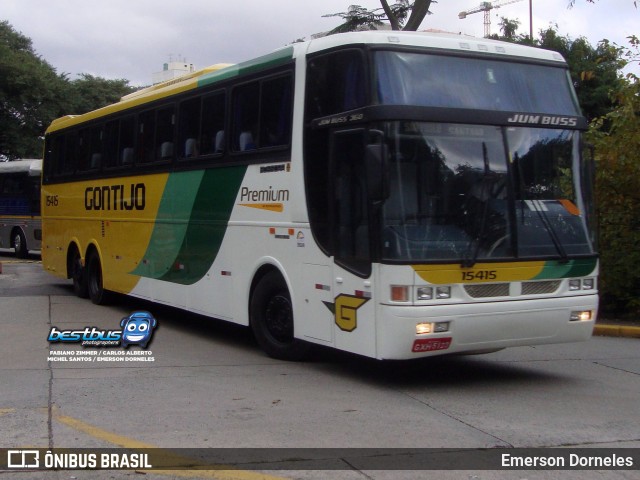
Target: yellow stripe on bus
479,273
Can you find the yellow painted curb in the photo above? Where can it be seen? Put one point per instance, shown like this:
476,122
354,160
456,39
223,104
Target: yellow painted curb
616,331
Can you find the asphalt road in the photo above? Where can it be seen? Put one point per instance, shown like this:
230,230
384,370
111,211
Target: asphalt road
209,386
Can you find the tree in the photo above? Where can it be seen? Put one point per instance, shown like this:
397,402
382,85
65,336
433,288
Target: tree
90,93
509,28
616,137
359,18
30,95
595,71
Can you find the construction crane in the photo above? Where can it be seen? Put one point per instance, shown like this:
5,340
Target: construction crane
486,7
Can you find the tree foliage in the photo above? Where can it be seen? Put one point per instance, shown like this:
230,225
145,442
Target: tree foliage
595,71
32,94
89,93
361,18
616,137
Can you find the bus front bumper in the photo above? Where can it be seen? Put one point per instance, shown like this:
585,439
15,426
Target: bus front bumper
483,327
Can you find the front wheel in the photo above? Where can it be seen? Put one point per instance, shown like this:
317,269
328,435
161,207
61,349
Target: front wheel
97,292
20,244
271,316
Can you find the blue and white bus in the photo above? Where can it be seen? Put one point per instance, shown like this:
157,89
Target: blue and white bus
20,223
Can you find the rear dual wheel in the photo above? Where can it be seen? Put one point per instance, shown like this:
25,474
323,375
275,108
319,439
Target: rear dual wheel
79,275
95,285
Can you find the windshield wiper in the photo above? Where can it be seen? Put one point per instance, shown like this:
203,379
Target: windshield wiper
487,194
539,208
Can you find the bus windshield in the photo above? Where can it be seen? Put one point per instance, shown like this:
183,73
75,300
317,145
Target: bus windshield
419,79
467,193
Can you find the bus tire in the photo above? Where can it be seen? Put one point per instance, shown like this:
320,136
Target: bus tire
20,244
95,286
79,275
271,318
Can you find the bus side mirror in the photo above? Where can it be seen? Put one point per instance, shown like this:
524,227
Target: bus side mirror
376,155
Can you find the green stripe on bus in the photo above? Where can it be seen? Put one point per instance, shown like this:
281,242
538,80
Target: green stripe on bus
190,224
274,59
210,215
572,268
171,224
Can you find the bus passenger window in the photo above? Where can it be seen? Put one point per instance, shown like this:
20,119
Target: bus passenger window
127,141
71,153
146,129
275,112
246,107
188,125
165,138
111,144
212,125
262,114
90,157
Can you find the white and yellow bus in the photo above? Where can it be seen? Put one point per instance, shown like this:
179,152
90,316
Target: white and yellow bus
396,195
20,224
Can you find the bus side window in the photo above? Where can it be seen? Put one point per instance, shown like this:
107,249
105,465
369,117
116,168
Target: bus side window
146,141
71,153
111,132
335,83
275,112
126,141
90,153
57,154
165,134
246,108
212,124
188,125
262,114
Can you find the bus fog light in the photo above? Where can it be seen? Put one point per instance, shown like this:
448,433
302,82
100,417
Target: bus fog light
399,293
443,292
580,316
422,328
424,293
588,284
441,327
574,285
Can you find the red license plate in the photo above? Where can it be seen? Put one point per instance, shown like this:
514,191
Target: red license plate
431,344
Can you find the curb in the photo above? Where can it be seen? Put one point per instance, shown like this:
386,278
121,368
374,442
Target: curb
616,331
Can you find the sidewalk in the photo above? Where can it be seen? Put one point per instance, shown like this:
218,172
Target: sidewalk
616,330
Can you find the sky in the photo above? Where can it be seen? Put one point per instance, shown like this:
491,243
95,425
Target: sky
132,39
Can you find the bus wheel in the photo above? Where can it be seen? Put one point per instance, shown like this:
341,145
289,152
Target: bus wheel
271,319
20,244
97,293
79,275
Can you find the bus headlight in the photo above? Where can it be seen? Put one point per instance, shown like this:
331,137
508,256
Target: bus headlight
443,292
422,328
580,316
424,293
574,285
